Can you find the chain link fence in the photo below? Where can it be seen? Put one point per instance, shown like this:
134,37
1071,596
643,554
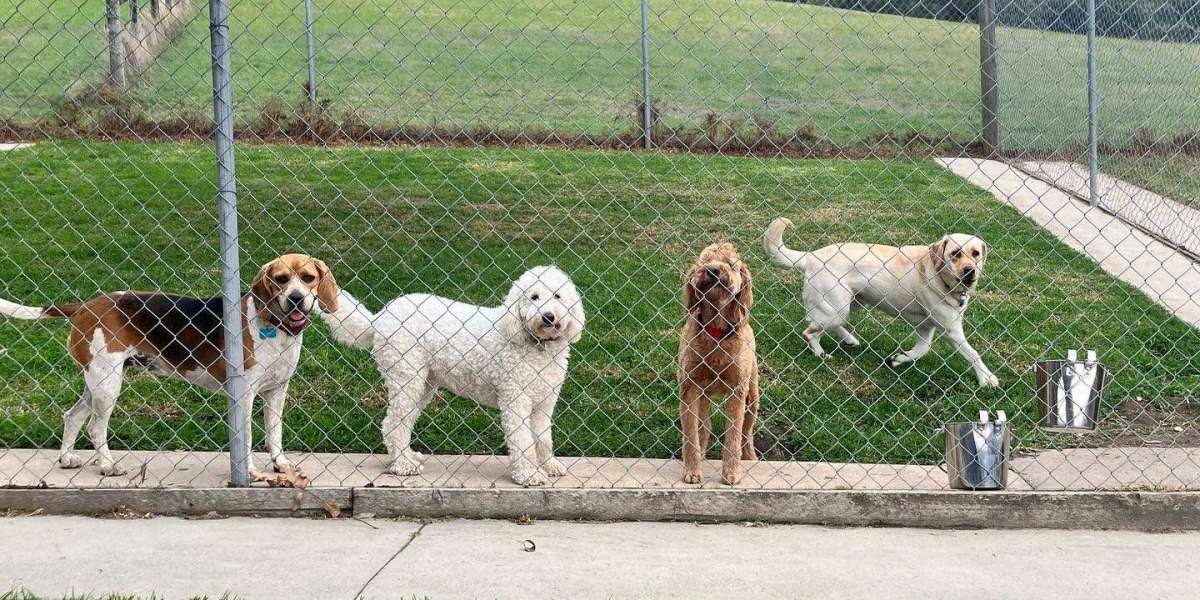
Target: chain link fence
450,147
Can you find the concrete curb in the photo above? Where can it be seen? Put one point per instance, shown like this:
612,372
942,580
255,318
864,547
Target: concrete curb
934,509
265,502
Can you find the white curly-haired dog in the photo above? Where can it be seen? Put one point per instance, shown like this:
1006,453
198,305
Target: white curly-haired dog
512,357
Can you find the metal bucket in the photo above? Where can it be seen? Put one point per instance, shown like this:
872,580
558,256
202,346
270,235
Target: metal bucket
977,453
1069,392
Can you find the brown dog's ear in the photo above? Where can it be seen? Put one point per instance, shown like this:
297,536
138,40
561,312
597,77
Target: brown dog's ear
264,288
691,296
327,288
745,296
937,254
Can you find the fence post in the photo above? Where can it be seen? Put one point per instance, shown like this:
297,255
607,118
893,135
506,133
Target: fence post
312,58
1093,110
989,86
116,50
235,383
647,118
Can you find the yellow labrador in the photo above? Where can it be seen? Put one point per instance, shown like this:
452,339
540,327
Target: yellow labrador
927,286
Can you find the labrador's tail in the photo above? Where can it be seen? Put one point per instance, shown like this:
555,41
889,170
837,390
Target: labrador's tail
773,244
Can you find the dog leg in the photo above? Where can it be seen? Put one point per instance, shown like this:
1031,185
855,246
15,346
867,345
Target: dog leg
273,403
705,424
982,373
542,416
405,395
813,335
846,336
925,334
748,450
731,454
516,414
72,422
690,402
104,377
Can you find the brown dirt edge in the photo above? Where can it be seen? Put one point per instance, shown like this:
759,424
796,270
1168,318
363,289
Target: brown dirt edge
125,126
1144,511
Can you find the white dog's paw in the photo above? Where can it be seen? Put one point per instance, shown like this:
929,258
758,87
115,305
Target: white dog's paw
553,468
70,460
281,464
528,475
989,380
111,469
405,465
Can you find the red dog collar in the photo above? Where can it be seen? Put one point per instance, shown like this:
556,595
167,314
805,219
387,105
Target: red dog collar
717,332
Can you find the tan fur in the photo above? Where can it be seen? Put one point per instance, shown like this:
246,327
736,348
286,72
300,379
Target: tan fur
927,286
714,368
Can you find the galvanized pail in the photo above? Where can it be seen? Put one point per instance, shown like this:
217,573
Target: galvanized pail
1069,392
977,453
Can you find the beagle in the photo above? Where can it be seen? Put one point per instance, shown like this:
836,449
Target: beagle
183,337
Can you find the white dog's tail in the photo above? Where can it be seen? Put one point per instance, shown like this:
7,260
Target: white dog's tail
352,324
773,243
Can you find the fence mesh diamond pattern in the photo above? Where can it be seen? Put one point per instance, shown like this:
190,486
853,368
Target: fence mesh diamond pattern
431,155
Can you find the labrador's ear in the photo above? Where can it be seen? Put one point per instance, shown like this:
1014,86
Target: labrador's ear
983,258
937,254
327,287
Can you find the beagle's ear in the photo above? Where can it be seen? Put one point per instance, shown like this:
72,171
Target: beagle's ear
937,254
264,289
327,288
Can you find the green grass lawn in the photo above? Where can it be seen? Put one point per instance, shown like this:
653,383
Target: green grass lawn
575,67
463,223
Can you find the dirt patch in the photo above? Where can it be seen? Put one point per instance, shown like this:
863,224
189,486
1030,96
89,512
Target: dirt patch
1138,423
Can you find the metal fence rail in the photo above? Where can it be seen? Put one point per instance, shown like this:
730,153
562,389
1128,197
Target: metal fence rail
450,148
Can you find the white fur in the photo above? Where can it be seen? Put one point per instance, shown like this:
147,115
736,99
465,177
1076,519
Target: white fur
19,311
275,364
838,277
503,357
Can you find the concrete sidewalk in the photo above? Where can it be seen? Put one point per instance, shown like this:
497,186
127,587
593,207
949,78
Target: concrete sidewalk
314,559
1163,274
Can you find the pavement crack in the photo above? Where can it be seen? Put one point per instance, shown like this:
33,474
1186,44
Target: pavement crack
412,537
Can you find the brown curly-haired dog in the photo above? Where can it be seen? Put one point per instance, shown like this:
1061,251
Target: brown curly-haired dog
716,359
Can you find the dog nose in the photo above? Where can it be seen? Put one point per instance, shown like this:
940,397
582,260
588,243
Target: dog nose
548,318
296,299
968,273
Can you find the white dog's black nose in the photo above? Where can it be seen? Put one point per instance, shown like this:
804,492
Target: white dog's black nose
968,274
548,318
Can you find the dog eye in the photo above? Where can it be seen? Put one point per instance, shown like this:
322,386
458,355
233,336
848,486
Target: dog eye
535,297
557,297
974,253
955,254
308,278
281,279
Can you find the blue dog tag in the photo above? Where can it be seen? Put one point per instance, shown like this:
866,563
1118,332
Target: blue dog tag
267,332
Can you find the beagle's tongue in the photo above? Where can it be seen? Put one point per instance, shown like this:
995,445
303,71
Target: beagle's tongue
297,317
